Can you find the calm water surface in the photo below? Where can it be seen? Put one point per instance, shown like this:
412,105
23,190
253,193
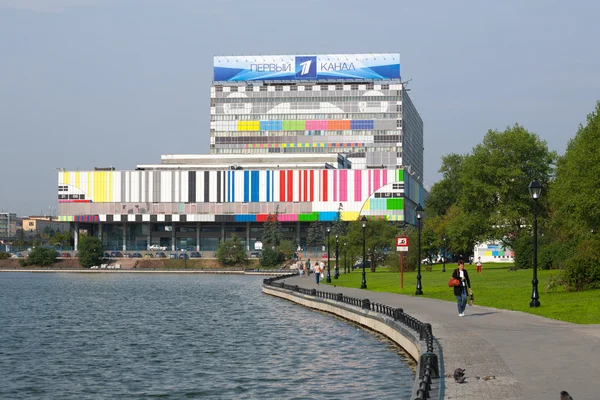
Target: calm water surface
125,336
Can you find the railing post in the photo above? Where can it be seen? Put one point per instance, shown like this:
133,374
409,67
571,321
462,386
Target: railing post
340,297
430,359
313,292
366,304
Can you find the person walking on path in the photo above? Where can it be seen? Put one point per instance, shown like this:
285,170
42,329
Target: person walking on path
305,269
317,271
460,291
308,267
478,265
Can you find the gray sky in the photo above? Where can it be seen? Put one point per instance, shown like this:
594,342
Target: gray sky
87,83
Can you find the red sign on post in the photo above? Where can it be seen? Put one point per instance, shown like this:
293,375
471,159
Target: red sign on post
402,241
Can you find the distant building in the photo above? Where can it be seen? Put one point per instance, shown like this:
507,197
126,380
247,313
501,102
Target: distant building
8,225
493,252
42,224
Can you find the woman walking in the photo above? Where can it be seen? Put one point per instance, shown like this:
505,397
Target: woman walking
460,291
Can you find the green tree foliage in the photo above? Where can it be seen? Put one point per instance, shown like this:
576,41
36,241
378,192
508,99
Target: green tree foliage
90,251
60,239
4,255
484,195
232,251
380,236
271,257
315,234
576,190
272,230
40,256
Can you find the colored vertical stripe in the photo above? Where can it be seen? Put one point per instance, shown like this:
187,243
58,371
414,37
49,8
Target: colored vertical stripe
343,185
358,185
370,177
246,186
268,186
290,186
312,185
384,177
255,186
219,187
281,185
305,197
111,174
191,186
335,185
377,180
206,186
324,185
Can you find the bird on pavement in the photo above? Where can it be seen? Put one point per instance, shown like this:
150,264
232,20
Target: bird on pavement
565,396
459,375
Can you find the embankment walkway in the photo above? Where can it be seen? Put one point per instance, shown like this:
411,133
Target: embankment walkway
506,354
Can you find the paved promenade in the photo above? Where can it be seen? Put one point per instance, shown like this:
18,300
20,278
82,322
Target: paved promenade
506,354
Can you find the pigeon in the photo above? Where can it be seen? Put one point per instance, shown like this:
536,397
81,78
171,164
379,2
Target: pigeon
565,396
459,375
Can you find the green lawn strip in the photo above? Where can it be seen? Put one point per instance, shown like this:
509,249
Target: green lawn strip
495,287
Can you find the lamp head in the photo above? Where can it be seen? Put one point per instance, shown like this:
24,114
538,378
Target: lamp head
535,189
419,211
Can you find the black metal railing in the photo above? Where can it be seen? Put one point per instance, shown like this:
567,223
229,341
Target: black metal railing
428,366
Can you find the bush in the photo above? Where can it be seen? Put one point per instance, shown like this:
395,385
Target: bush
582,271
232,251
40,256
4,256
271,257
90,251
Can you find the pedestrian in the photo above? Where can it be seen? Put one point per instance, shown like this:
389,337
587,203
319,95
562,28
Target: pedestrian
460,291
300,268
308,266
305,269
478,265
317,272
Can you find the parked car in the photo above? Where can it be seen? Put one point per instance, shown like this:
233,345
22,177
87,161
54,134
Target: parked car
255,254
135,255
183,256
57,254
148,255
173,256
65,255
17,255
195,254
117,254
160,254
106,254
156,247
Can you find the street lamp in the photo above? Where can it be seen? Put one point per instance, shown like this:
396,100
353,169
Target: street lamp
535,190
363,284
419,211
444,253
328,280
345,258
337,265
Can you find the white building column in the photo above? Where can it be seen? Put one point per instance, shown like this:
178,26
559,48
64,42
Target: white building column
75,235
198,236
125,236
248,238
100,233
149,239
223,231
173,237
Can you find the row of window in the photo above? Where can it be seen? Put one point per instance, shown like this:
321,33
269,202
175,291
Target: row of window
305,117
278,139
297,99
346,135
323,87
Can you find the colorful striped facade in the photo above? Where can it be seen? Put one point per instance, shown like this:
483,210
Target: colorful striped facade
235,195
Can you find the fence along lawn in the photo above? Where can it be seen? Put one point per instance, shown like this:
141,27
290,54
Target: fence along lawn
495,287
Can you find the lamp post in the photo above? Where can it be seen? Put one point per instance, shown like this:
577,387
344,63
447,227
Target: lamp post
328,280
535,190
363,284
337,265
419,211
444,253
346,271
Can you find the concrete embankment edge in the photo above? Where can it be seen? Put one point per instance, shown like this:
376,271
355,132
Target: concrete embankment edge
405,338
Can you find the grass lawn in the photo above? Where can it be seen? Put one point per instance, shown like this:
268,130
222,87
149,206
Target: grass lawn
494,287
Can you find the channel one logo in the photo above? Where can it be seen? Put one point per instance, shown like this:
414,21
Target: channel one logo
306,67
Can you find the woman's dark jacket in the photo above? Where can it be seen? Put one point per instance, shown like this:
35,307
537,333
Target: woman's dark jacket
456,275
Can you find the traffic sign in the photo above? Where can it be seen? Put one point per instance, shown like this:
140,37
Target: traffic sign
402,241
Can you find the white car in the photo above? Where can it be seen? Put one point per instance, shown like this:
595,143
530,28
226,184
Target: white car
155,247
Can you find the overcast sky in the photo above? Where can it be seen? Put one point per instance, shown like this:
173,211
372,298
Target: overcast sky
86,83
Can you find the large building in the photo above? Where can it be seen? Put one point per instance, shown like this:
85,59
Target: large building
9,223
308,137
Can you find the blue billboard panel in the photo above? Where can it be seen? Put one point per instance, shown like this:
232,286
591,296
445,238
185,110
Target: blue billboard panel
307,67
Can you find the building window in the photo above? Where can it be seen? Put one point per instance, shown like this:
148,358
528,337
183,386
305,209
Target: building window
218,88
234,89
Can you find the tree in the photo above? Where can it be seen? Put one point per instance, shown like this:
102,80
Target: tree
339,226
90,251
380,235
446,192
61,239
231,251
494,180
40,256
272,230
314,235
